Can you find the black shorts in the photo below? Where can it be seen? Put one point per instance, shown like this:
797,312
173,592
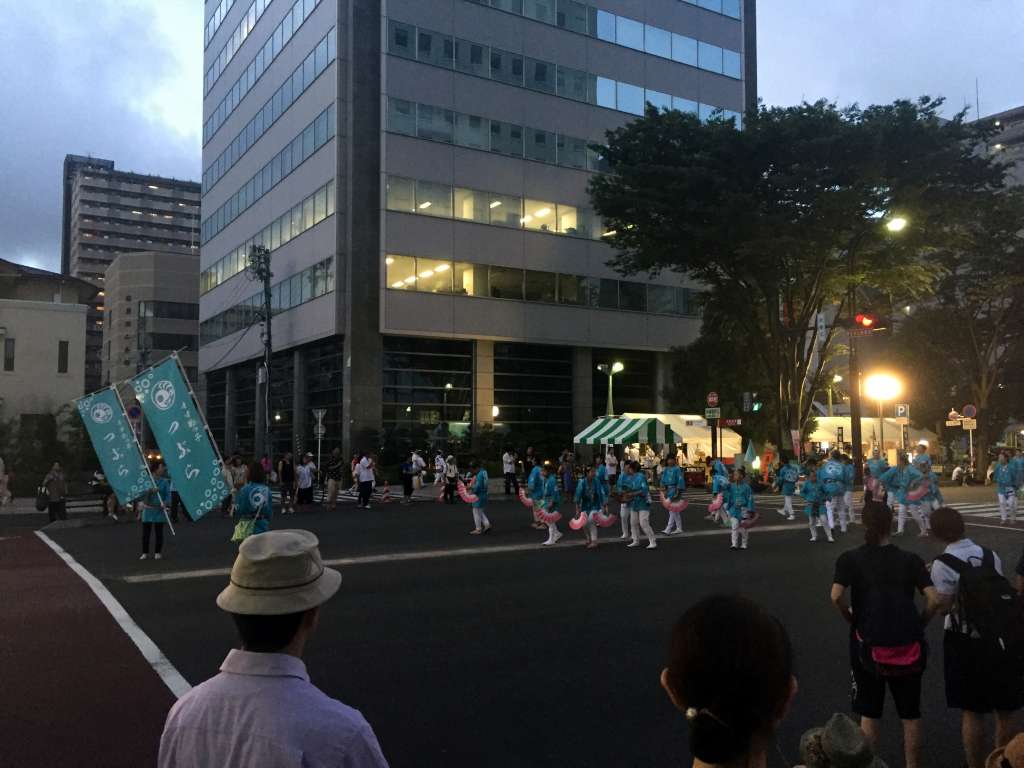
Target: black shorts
867,690
287,491
305,496
979,678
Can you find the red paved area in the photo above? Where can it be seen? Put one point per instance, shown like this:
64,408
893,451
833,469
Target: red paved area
74,689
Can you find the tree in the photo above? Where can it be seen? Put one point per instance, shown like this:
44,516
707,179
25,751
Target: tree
784,219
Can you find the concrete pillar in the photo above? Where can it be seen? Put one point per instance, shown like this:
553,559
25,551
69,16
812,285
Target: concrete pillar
483,383
582,388
300,410
230,438
662,380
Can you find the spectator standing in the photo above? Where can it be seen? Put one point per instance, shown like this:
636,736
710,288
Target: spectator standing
335,463
286,479
305,476
262,708
451,479
981,677
439,467
408,469
508,468
366,477
419,467
530,460
1006,480
153,516
254,501
56,491
234,473
266,465
730,672
887,646
568,471
611,464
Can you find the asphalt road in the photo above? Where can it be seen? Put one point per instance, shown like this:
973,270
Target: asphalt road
521,655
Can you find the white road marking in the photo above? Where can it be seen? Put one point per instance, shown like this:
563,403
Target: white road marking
438,554
996,527
178,685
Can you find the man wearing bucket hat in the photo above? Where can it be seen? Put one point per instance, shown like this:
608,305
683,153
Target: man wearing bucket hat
840,744
262,710
1010,756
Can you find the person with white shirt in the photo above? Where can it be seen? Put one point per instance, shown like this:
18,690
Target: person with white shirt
611,464
980,675
305,476
508,467
366,477
439,467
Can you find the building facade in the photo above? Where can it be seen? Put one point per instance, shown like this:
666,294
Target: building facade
108,212
42,340
418,170
151,309
1008,141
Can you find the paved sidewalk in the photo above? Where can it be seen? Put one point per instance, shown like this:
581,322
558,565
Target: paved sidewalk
76,690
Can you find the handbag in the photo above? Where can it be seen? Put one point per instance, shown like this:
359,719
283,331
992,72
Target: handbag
243,529
42,498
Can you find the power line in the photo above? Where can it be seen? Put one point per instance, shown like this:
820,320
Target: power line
233,346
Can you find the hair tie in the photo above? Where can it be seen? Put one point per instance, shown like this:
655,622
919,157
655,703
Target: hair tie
692,714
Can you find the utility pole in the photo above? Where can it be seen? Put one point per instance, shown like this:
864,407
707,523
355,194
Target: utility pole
855,436
259,265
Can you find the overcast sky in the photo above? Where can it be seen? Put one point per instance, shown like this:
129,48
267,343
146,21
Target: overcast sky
121,79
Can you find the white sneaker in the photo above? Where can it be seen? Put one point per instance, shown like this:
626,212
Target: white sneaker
143,556
158,556
653,545
743,546
624,536
666,532
557,537
112,516
814,538
633,544
549,542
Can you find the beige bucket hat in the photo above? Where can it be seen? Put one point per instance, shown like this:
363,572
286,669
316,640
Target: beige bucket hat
278,572
840,744
1010,756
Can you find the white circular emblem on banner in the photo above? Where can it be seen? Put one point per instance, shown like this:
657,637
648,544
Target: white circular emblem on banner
101,413
163,395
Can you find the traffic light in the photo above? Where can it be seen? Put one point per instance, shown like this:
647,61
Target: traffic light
866,321
756,404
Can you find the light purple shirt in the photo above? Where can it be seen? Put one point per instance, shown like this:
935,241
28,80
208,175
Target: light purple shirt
261,710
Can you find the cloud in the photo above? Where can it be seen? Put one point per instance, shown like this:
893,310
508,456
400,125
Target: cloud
120,80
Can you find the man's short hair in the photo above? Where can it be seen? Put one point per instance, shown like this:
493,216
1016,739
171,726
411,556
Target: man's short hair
877,518
267,634
947,524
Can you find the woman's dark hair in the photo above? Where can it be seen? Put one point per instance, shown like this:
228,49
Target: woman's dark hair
947,525
256,473
267,634
877,520
730,667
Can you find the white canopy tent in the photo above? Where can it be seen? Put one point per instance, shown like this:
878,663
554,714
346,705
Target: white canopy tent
827,431
695,433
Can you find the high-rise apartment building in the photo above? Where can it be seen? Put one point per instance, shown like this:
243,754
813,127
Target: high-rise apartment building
108,212
418,170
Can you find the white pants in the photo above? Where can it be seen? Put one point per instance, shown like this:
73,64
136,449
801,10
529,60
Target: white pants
915,512
642,521
836,508
812,523
553,532
740,536
625,514
830,518
1008,506
787,507
591,530
675,522
848,503
480,518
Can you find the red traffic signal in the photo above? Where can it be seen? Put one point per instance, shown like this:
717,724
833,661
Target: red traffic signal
865,321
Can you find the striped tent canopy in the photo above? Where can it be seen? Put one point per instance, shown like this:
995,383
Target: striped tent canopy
620,430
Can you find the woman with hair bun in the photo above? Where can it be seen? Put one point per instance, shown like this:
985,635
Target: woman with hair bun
730,672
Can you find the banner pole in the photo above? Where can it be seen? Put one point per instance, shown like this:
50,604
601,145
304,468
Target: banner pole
195,401
135,437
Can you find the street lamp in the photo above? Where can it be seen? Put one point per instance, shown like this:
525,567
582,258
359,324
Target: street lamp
609,371
882,387
835,380
896,224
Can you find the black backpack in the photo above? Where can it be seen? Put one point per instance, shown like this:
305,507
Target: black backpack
987,604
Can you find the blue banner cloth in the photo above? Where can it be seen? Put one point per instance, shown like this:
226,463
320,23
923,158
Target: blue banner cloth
192,460
115,445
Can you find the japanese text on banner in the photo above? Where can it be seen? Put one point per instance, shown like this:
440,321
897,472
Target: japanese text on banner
115,445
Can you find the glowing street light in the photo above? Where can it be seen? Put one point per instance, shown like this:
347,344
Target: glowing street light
896,224
882,387
610,371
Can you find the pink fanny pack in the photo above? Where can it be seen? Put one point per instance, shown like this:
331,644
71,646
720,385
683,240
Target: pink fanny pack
897,656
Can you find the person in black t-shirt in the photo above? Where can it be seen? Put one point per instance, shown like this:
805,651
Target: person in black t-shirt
887,646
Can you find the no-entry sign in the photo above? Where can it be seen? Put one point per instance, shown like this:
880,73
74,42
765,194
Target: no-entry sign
712,399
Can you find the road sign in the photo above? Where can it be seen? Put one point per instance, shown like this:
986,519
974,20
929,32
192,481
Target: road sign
839,435
692,423
748,402
712,413
970,412
732,422
902,411
970,424
953,423
134,411
860,331
712,400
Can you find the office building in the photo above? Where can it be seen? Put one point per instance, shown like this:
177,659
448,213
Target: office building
1008,141
108,212
418,170
151,309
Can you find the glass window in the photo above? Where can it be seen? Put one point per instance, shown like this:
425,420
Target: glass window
402,116
658,41
572,152
540,286
471,205
402,39
731,65
572,290
505,210
705,112
435,124
401,272
606,26
330,198
307,213
540,75
401,194
320,205
296,290
512,6
633,296
505,283
433,276
608,294
469,279
308,285
574,84
684,49
471,131
711,5
319,279
605,93
62,356
471,58
435,48
629,98
736,117
506,67
731,8
685,304
661,299
539,215
709,57
506,138
541,10
596,161
573,15
433,199
568,219
658,99
685,105
629,33
541,145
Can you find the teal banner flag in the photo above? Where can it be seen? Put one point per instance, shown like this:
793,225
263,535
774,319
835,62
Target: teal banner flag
174,418
115,445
